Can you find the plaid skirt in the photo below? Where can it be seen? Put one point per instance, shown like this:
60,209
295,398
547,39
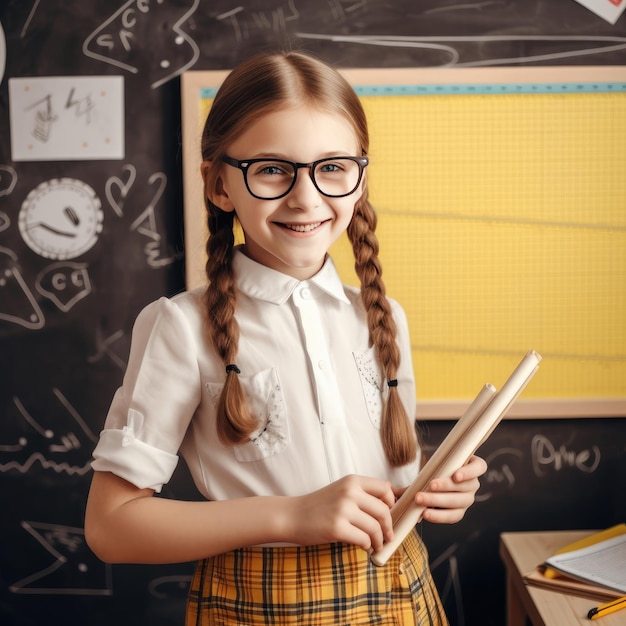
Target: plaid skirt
324,585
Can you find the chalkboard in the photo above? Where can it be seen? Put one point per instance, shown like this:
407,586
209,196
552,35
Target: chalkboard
65,322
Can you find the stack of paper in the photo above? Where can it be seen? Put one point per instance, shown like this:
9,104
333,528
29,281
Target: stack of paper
594,567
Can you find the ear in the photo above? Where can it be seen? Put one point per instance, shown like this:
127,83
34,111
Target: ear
217,194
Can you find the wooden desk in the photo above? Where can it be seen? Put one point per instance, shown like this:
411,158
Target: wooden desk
521,553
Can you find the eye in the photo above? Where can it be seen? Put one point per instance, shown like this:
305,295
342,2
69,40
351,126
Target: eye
272,168
328,168
336,166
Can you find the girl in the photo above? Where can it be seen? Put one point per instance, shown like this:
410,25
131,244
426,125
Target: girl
287,393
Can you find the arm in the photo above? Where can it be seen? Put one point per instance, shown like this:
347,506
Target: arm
125,524
449,498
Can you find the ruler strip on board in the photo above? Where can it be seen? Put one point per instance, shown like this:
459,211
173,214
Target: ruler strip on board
479,89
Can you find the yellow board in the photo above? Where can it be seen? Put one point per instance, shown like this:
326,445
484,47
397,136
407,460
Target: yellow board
502,224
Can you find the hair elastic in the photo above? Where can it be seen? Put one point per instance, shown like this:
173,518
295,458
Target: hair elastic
232,368
392,383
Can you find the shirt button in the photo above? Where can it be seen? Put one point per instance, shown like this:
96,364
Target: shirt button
322,364
306,293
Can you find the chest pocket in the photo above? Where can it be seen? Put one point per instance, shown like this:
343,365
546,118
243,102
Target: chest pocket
371,383
265,398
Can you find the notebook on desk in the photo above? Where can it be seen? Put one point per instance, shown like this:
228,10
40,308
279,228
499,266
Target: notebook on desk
594,567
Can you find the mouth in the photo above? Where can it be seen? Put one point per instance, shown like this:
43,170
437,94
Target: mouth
303,228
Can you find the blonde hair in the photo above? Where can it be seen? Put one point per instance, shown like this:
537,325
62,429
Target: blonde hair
266,83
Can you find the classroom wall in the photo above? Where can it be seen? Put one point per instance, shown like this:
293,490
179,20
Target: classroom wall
65,319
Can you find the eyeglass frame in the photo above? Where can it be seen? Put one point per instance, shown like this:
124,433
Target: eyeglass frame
244,164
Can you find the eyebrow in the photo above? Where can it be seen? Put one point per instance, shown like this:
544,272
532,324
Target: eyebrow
275,155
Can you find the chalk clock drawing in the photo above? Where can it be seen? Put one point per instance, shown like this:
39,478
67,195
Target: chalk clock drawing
61,219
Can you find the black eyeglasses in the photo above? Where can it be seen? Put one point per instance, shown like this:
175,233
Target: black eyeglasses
270,179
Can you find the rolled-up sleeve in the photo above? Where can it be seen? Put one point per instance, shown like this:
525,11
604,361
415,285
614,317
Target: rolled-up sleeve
151,411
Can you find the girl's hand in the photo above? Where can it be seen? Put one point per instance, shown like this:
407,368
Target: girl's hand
354,510
449,498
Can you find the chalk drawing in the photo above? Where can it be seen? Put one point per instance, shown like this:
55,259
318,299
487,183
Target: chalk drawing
104,348
64,284
586,45
29,19
169,586
501,476
145,225
17,302
75,570
8,180
549,457
118,40
451,588
115,183
46,449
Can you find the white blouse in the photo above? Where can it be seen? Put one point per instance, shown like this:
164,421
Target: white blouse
307,369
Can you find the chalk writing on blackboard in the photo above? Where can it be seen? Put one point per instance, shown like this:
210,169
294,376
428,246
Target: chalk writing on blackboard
122,187
450,590
116,41
274,20
29,18
104,348
17,302
8,180
64,284
502,466
446,53
145,225
75,570
47,449
550,457
169,586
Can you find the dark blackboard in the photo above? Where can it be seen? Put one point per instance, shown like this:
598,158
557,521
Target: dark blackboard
65,325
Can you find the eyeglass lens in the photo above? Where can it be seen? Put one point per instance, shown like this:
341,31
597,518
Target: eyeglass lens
273,178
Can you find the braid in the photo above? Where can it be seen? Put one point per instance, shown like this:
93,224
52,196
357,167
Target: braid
235,422
399,442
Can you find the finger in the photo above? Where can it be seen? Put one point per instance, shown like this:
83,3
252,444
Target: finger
475,467
381,489
371,531
444,516
377,521
367,504
354,535
447,500
442,485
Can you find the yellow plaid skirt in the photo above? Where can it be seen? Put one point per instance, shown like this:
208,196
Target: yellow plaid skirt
324,585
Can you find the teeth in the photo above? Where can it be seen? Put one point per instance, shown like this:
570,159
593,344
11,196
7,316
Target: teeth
303,228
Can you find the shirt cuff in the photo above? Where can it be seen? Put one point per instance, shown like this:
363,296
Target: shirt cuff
133,460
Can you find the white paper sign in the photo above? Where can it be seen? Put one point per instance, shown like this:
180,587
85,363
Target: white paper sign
59,118
609,10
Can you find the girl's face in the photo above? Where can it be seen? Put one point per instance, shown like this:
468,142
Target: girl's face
290,234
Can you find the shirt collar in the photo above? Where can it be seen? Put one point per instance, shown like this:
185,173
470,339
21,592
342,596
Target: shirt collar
264,283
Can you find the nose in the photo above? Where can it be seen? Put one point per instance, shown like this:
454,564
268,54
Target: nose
304,193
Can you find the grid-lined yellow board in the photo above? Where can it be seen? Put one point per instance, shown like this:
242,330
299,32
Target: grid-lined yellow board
502,223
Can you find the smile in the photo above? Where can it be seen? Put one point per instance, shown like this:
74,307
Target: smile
303,228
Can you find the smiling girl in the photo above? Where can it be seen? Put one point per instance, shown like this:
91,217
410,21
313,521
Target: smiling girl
290,396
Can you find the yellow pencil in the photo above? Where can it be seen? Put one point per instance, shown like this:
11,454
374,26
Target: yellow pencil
609,607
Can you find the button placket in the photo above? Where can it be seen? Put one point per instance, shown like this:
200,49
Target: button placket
332,421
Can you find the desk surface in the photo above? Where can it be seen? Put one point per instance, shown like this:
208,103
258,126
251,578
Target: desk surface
521,553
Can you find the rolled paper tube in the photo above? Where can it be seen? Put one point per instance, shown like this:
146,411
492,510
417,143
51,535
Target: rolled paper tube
474,427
